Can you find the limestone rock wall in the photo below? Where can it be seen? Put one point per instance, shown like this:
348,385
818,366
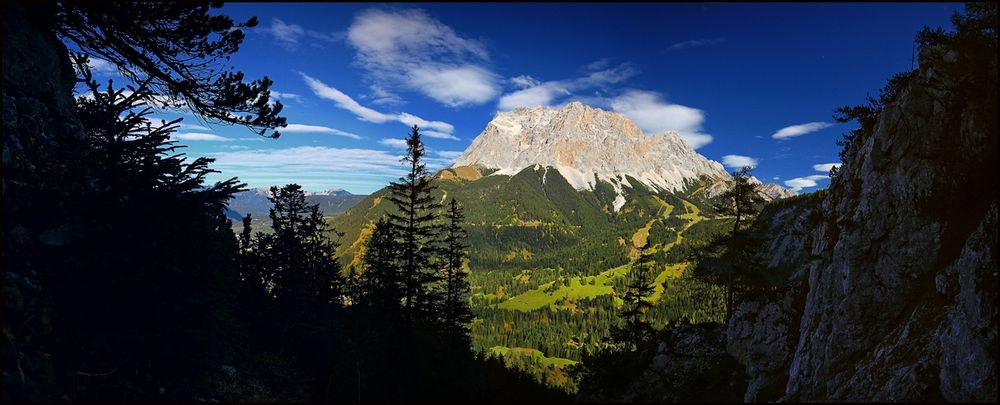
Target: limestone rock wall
900,301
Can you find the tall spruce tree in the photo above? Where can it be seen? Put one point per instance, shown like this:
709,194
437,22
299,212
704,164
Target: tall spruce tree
416,229
636,299
457,314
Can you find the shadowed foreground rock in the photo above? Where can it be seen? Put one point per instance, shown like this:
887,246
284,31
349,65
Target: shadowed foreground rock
900,266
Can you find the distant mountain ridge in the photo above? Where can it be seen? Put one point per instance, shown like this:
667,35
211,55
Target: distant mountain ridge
255,201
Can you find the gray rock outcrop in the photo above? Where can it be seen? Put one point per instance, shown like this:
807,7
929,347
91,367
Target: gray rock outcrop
899,262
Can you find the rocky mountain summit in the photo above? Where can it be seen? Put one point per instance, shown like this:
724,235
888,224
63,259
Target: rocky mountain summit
585,144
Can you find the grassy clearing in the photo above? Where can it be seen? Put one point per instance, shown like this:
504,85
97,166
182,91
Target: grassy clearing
670,272
534,353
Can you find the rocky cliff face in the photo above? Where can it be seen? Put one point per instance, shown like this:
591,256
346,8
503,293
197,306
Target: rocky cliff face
38,79
898,259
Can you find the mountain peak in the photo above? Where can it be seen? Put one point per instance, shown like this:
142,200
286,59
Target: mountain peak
584,144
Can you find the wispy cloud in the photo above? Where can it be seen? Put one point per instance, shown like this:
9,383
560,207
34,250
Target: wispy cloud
394,143
798,183
654,115
413,50
302,128
194,127
382,96
316,167
363,113
449,154
738,161
197,136
535,93
98,65
277,95
694,43
825,167
524,81
800,129
290,35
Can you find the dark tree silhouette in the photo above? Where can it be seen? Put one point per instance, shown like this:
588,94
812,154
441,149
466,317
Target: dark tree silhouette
741,201
302,268
636,329
381,284
139,264
415,225
246,233
179,51
457,314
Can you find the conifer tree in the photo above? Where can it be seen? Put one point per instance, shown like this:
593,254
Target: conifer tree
138,266
381,285
416,229
180,51
301,262
636,299
456,314
246,233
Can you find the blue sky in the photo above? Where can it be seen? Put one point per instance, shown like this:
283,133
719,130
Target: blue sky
743,83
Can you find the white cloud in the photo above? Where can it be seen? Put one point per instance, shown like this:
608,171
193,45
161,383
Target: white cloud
409,48
798,183
98,65
394,143
197,136
277,95
302,128
598,64
344,101
533,93
801,129
455,86
287,34
411,120
290,35
541,95
737,161
776,178
524,81
367,114
694,43
382,96
194,127
825,167
449,154
125,93
653,115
